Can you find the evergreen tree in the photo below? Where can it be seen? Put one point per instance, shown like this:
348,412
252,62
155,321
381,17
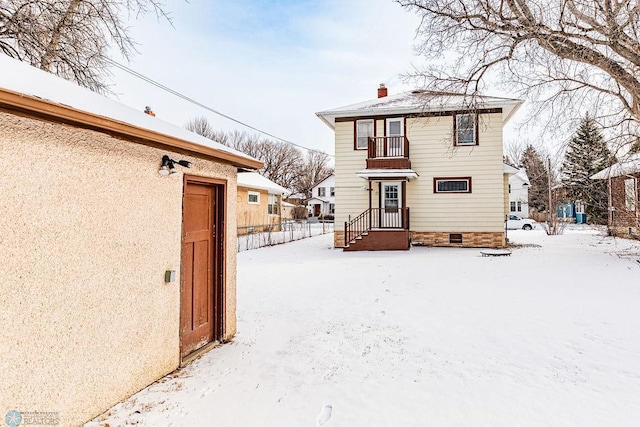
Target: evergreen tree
538,174
586,155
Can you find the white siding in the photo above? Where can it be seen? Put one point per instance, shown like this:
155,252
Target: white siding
519,193
351,199
433,154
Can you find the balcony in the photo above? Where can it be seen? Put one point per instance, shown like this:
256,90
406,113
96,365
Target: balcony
388,152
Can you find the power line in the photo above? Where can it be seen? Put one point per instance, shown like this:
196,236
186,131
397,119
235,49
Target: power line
199,104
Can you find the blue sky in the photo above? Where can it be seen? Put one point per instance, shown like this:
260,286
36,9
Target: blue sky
270,63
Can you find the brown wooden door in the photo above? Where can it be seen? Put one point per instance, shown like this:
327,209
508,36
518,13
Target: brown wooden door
200,285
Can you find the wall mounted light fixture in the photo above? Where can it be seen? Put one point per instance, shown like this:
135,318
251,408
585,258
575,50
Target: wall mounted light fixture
168,166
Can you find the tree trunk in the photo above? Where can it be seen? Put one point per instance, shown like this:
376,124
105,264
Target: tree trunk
52,47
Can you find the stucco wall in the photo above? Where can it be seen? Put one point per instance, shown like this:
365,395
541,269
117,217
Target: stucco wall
256,216
249,213
88,229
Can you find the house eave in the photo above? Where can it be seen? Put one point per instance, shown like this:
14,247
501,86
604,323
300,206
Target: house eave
40,108
329,117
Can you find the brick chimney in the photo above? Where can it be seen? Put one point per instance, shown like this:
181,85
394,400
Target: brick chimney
382,91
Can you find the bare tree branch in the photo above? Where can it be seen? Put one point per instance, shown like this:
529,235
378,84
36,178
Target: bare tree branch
71,38
575,53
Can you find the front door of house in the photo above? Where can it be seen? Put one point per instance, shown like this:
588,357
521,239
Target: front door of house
391,215
201,279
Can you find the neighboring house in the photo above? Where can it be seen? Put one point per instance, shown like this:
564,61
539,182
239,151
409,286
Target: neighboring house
624,195
519,194
296,199
117,264
288,211
572,211
419,167
259,203
323,200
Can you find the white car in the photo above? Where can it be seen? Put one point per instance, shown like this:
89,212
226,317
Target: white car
516,223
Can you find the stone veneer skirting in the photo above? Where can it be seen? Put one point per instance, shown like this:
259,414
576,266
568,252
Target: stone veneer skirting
469,239
431,238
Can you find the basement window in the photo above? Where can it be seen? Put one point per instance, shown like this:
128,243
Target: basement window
455,238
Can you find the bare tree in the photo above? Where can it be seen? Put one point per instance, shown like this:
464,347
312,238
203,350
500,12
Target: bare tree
284,164
202,126
71,38
569,55
315,169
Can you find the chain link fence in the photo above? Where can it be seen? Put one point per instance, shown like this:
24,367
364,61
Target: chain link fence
260,235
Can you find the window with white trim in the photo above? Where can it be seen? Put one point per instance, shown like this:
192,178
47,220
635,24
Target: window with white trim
466,132
253,198
364,131
630,194
272,207
452,185
332,191
321,191
513,207
519,206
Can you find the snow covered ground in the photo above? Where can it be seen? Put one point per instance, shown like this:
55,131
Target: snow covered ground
430,337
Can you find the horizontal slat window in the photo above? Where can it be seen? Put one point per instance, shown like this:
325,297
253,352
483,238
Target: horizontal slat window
452,185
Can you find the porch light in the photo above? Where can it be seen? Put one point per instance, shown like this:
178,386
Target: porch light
168,166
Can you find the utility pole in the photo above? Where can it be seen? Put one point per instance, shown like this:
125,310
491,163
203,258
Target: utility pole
550,223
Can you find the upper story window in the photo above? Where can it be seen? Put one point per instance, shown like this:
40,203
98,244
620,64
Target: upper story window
364,131
466,129
253,198
321,191
452,185
332,192
513,206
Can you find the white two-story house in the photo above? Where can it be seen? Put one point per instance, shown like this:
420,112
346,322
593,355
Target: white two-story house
323,200
420,167
519,194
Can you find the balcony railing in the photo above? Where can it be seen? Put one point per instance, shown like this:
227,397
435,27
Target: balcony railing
388,152
388,146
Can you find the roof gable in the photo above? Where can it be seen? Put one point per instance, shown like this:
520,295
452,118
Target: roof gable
629,166
327,178
420,101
